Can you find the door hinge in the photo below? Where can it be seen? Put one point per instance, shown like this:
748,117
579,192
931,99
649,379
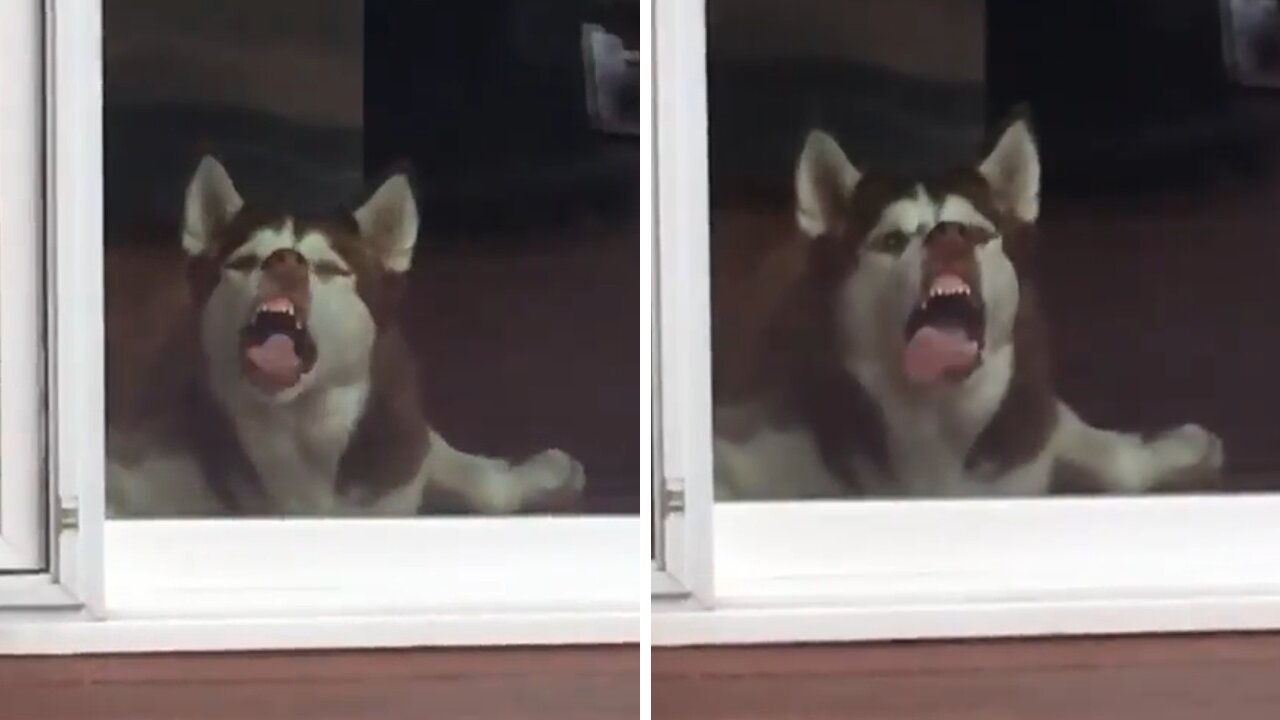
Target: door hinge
68,517
672,500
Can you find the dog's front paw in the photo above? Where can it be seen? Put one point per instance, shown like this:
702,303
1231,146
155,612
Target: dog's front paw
1202,448
1196,457
554,481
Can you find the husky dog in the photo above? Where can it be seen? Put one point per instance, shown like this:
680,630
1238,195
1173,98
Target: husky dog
910,358
287,387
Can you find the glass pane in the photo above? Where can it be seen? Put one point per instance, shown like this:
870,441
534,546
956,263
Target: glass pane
993,249
372,257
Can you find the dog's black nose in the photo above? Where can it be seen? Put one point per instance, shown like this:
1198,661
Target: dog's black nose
947,240
287,269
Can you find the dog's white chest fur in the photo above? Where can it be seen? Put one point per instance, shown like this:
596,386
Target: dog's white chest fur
930,435
296,447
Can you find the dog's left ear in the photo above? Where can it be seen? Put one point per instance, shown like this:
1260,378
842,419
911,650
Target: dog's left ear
211,202
1012,169
825,180
388,220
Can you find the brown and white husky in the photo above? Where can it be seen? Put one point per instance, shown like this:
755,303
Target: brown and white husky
910,359
282,385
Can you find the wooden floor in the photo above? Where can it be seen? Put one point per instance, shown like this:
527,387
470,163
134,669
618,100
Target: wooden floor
1219,677
568,684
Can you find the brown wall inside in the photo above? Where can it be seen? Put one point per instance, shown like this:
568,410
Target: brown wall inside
302,59
892,33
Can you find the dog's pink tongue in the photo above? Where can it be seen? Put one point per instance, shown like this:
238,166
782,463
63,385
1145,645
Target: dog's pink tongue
276,356
931,352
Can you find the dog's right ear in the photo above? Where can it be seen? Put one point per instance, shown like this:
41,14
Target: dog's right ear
389,221
825,179
1012,169
211,202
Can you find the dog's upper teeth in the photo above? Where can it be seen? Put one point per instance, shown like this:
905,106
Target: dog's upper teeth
280,305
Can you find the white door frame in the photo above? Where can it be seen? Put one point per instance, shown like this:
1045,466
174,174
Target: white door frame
46,94
22,378
831,571
684,486
125,586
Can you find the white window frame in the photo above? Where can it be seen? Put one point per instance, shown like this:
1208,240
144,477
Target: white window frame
125,586
23,523
818,571
682,506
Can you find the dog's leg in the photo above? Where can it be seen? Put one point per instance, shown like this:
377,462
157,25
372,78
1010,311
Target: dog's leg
773,464
488,485
1185,457
757,460
160,485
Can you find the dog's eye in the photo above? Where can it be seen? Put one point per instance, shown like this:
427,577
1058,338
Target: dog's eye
243,263
325,268
890,242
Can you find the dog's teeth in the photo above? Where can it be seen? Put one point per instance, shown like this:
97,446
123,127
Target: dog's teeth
280,305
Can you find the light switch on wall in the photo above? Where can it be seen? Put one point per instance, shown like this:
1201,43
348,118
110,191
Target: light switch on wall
612,79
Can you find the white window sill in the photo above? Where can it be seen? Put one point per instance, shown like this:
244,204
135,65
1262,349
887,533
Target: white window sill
755,624
473,629
216,585
831,571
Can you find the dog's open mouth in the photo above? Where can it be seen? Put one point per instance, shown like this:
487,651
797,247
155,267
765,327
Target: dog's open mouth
945,332
277,349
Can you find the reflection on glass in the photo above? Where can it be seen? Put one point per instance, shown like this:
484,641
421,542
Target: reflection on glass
370,258
954,256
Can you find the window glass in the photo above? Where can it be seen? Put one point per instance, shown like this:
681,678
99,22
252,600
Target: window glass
968,249
371,257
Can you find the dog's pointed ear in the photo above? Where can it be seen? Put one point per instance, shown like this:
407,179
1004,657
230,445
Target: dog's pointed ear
825,179
211,201
388,220
1012,169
